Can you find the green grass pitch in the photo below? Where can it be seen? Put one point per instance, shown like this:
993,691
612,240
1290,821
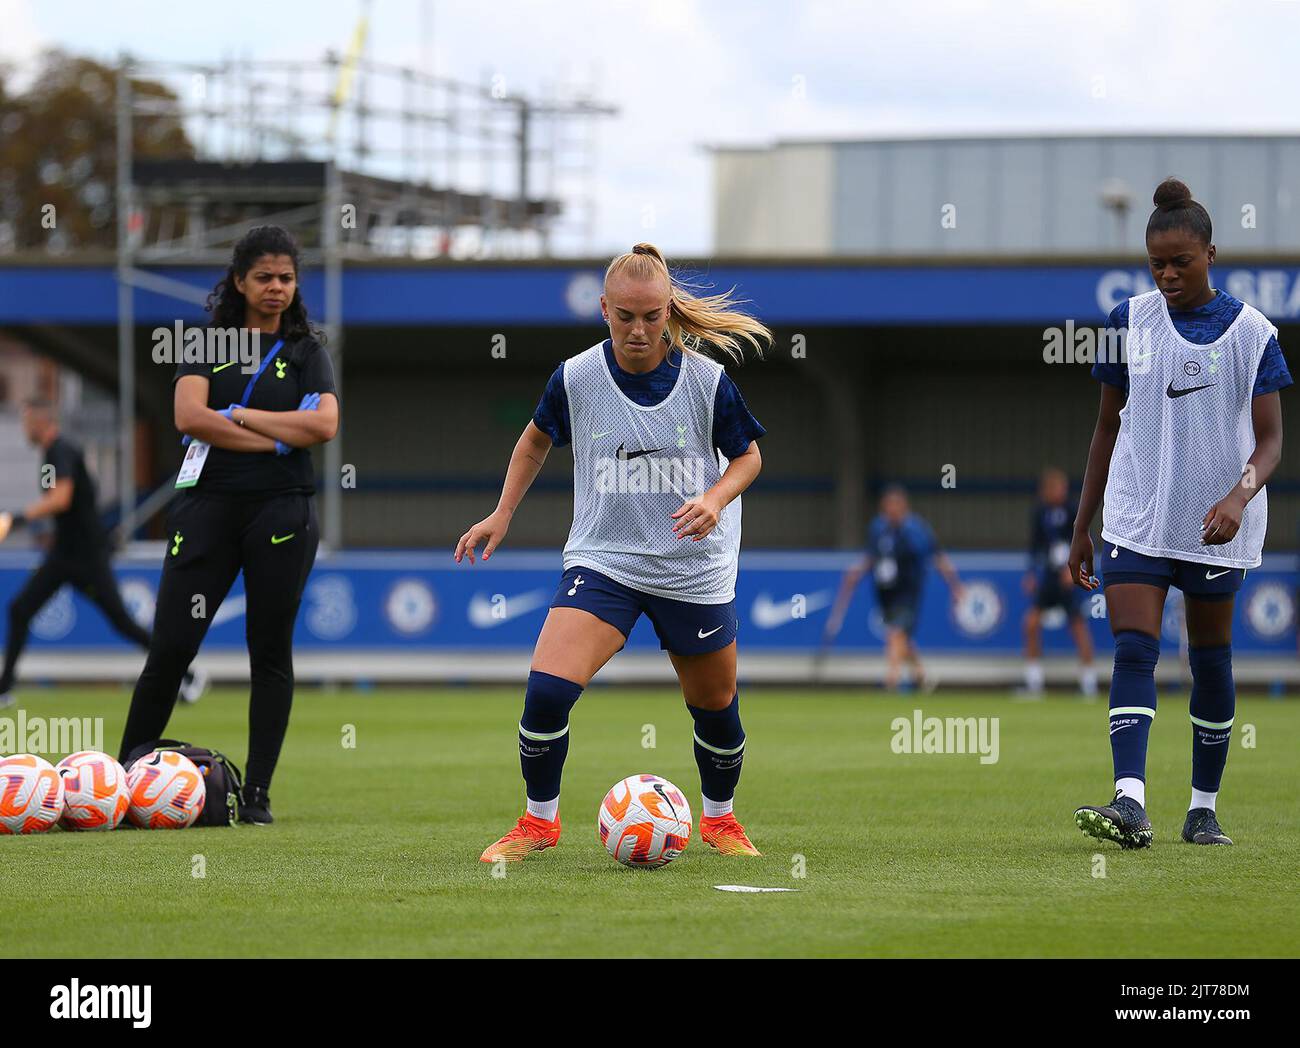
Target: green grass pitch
375,847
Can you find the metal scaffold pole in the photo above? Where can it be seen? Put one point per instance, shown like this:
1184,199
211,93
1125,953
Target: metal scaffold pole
333,258
125,302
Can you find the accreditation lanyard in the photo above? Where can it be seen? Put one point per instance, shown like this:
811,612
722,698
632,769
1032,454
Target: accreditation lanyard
197,453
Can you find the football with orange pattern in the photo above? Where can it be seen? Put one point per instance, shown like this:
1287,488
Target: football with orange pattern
167,791
31,794
644,821
94,791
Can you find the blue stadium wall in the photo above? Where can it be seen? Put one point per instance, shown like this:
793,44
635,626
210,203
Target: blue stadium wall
411,601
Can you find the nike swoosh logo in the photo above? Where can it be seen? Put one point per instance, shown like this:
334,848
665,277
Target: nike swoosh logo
1175,393
283,538
1217,574
485,615
628,456
597,436
769,614
222,367
1215,742
702,635
1119,727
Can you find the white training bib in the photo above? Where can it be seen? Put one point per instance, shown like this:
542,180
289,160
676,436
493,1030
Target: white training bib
633,467
1185,436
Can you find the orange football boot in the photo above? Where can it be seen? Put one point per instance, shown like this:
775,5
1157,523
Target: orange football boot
529,835
726,835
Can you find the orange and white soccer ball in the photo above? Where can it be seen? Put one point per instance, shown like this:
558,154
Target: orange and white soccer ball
31,794
94,791
166,791
644,821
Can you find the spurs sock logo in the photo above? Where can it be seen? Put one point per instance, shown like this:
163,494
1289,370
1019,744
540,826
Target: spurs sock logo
1132,702
1212,707
544,733
280,365
719,749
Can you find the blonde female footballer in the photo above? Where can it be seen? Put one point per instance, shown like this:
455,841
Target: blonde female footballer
663,447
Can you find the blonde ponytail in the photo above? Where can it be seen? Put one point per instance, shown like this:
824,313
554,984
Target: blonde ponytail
695,322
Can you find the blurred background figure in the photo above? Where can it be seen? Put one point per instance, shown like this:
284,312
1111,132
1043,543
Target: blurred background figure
900,549
1048,581
78,554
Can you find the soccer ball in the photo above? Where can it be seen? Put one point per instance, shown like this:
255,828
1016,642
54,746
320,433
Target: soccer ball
644,821
31,794
94,791
166,791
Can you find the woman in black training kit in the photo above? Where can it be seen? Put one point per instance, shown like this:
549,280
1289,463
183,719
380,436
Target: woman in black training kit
251,507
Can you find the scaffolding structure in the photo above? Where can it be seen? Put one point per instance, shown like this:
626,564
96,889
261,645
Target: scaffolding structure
360,160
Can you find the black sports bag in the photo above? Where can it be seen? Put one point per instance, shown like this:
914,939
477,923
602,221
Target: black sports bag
222,779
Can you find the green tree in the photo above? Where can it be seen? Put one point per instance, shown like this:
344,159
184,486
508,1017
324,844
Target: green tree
58,147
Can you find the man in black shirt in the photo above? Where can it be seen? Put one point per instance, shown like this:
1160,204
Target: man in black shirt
78,553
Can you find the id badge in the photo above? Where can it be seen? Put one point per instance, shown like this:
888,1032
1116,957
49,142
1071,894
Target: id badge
195,457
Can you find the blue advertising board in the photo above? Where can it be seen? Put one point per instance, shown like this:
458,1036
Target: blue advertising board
498,295
415,601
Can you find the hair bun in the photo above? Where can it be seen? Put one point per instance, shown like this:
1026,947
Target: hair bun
1172,193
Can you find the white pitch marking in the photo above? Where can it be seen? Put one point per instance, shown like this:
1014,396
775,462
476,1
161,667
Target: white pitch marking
749,888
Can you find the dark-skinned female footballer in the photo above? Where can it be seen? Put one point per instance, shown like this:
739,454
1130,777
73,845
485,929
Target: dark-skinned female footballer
1189,432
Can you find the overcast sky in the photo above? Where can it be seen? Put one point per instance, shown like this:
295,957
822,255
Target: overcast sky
688,72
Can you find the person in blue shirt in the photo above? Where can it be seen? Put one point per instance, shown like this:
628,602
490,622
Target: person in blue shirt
1218,436
1048,581
899,550
663,447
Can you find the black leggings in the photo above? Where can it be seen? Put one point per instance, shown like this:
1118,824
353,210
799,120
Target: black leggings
209,539
92,576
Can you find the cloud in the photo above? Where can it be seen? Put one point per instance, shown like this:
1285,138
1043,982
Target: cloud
20,39
685,73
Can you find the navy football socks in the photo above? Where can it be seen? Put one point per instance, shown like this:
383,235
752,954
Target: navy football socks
1213,706
1132,704
544,739
719,752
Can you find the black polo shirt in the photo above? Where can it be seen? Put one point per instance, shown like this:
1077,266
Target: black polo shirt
301,366
77,531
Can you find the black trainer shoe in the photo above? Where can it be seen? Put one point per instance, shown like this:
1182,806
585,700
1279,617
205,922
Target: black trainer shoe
1202,827
1122,821
255,806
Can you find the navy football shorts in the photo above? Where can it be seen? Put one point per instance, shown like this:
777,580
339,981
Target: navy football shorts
900,609
1052,594
1116,564
682,628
